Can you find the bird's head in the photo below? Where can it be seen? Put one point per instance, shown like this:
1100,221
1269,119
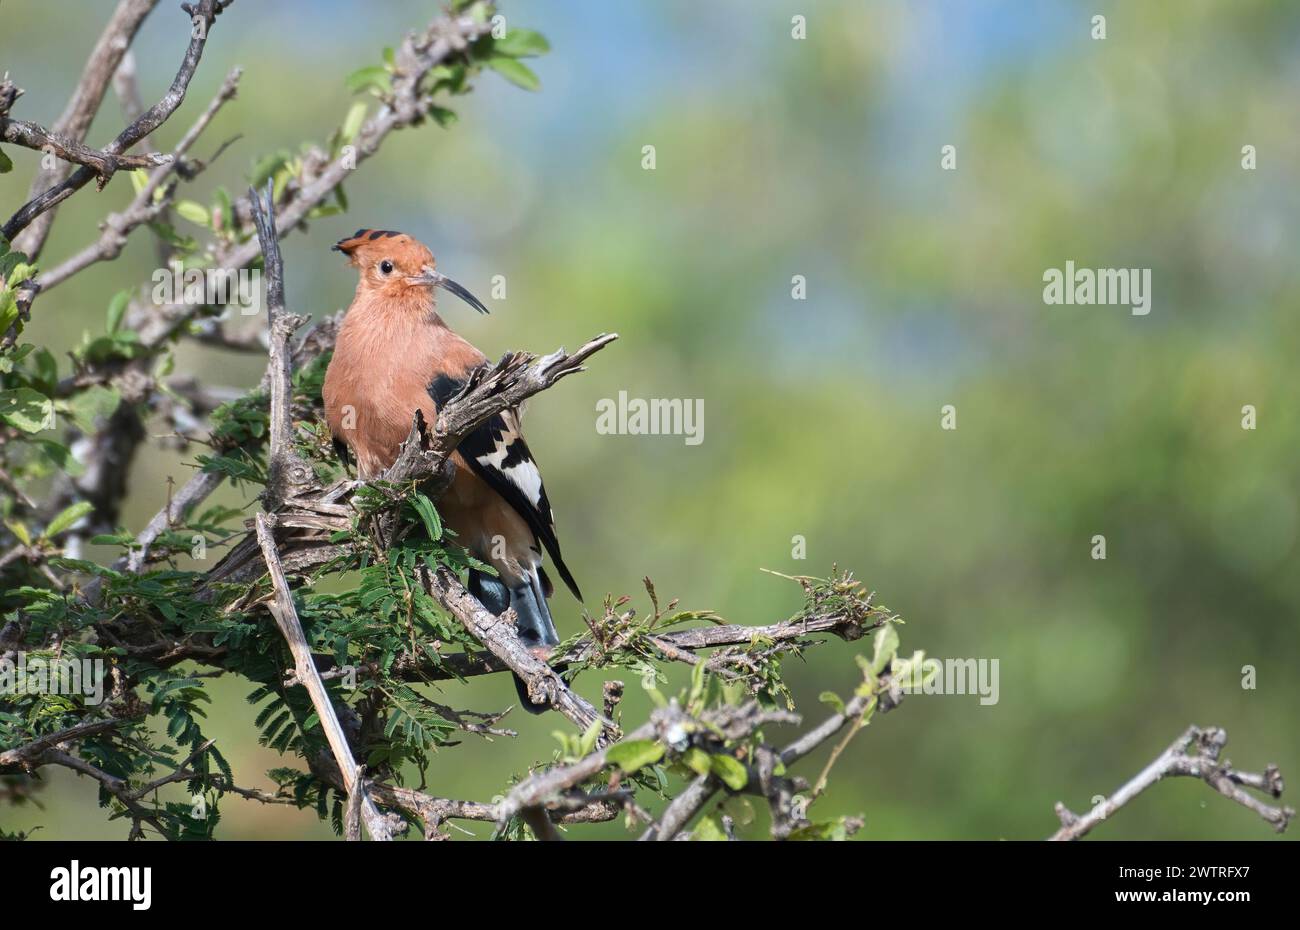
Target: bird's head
397,267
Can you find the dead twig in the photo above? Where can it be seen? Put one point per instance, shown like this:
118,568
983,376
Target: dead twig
1195,753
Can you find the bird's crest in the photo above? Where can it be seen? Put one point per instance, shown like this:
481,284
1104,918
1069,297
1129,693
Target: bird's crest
361,237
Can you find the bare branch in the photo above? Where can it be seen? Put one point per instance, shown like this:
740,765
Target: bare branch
29,754
418,54
286,618
456,666
433,812
145,206
1195,753
80,111
544,685
286,470
34,136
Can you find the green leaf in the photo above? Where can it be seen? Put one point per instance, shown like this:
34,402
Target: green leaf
728,768
354,120
8,313
223,210
886,646
91,405
521,43
697,760
20,531
27,410
60,456
374,77
5,164
116,309
19,269
68,517
833,700
635,754
442,116
194,212
428,516
266,167
588,741
516,72
708,830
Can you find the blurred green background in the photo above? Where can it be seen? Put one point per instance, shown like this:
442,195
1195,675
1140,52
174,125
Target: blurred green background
821,158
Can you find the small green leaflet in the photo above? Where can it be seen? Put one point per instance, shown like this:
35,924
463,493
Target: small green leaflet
68,517
729,769
886,646
635,754
521,43
428,516
27,410
516,72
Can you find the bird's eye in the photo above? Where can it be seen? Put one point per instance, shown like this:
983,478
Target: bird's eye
386,267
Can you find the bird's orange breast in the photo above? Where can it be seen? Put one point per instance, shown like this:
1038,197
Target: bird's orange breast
384,360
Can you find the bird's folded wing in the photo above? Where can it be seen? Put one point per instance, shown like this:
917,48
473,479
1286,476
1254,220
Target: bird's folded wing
497,453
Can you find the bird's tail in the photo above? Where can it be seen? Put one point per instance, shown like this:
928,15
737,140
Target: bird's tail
536,628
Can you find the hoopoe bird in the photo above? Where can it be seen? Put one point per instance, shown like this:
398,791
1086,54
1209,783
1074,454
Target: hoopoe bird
394,355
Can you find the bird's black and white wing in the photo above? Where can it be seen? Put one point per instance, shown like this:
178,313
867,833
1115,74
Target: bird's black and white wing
497,453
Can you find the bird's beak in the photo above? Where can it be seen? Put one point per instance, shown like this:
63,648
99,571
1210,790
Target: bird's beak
432,278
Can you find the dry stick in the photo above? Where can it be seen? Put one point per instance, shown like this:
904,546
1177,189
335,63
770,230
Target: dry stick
434,811
203,15
501,638
682,808
1203,762
28,753
35,136
286,618
84,104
